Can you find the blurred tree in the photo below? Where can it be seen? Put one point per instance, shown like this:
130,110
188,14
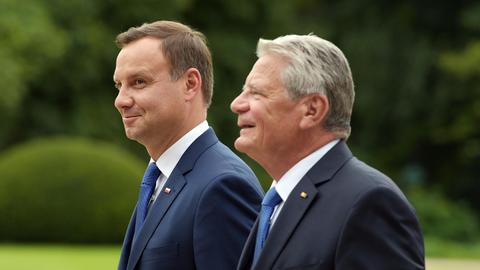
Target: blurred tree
29,42
455,127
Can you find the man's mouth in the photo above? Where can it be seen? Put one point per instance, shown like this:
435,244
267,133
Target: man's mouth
130,116
245,125
245,128
129,119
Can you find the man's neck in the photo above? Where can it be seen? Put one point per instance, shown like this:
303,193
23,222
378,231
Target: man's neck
299,151
156,149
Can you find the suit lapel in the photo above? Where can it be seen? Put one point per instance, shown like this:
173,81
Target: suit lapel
154,216
176,183
296,205
247,253
292,212
127,243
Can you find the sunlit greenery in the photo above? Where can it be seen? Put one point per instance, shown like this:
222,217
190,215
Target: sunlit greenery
58,257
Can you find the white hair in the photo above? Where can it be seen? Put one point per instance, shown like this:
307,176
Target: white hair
316,65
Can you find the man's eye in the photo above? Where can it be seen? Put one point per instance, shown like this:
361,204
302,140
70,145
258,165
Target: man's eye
139,82
256,94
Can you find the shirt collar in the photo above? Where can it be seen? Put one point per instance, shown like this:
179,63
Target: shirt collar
169,159
290,179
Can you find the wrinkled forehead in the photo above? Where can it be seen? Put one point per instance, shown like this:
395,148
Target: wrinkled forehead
267,69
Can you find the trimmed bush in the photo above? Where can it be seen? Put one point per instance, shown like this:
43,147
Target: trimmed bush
444,219
67,190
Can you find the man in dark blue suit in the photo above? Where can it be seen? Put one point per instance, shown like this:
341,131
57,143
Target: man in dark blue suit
197,200
326,209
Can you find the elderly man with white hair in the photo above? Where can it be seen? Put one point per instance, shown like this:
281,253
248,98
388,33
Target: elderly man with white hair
325,209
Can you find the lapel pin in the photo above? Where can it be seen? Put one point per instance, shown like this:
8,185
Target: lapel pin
303,194
167,190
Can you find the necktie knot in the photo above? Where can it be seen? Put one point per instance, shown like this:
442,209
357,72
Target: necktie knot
271,198
151,175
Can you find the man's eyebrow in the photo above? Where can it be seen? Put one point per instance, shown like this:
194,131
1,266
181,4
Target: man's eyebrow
249,87
140,73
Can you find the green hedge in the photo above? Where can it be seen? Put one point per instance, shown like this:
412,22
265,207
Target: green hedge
443,218
67,190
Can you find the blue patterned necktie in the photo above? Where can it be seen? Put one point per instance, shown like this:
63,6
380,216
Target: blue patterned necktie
269,202
146,190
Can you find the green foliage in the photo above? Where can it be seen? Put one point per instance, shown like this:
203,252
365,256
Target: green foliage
66,190
443,218
442,248
464,64
29,41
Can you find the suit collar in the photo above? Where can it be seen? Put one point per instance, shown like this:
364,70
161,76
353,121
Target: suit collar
170,158
292,177
330,163
296,206
175,184
187,161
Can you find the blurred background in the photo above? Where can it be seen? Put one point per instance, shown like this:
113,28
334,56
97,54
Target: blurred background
68,175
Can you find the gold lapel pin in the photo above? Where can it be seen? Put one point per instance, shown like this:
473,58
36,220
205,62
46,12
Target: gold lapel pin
167,190
303,194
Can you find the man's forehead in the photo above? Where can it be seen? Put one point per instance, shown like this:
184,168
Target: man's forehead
130,71
262,75
249,86
143,50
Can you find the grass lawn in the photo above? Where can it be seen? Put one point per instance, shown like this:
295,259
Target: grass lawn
59,257
446,255
438,248
452,264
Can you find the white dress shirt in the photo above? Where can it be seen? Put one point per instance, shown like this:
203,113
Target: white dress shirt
169,159
290,179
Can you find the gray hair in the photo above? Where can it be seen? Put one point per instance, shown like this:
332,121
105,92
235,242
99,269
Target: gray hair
316,66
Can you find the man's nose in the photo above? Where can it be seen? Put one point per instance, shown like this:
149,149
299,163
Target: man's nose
239,104
123,100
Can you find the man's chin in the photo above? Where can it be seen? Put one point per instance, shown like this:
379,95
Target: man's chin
242,145
130,134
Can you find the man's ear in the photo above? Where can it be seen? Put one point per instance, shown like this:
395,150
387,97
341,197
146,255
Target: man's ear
193,83
315,108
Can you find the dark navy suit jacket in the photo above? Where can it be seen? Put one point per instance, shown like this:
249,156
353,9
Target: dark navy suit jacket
204,221
353,218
